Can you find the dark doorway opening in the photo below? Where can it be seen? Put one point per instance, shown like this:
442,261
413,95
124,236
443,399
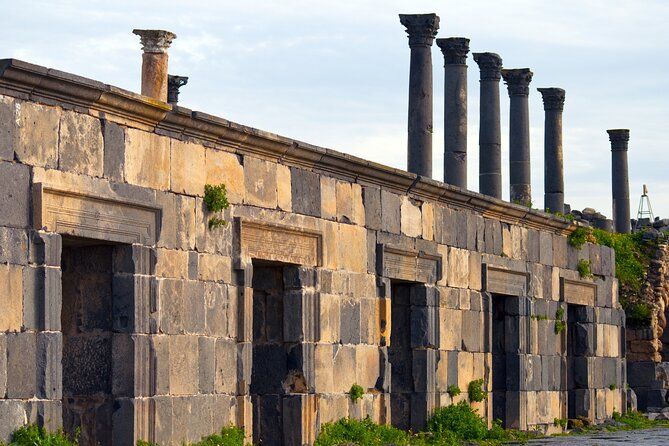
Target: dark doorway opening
400,355
499,358
270,354
87,325
576,356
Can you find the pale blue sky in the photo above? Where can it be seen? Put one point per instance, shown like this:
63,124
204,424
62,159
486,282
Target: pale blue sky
335,73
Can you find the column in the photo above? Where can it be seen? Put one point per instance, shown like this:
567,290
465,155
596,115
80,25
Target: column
490,139
518,83
553,165
174,83
455,51
620,179
421,28
155,43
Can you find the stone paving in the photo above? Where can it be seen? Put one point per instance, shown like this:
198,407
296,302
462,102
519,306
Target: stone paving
646,437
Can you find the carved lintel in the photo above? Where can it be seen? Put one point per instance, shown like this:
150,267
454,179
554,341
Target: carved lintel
412,266
82,215
504,281
280,243
578,292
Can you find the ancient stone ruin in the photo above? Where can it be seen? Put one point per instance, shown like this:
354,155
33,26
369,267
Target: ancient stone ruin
132,311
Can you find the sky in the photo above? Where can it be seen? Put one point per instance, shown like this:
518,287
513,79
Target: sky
335,73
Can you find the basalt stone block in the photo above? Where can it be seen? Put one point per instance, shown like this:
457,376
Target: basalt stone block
350,322
14,195
371,197
21,365
371,251
444,229
514,306
42,298
471,331
14,246
584,339
461,228
207,364
226,367
515,372
49,370
46,414
560,256
194,307
306,192
493,237
80,144
452,357
422,405
12,416
7,130
131,304
581,372
424,327
424,296
297,277
390,212
3,365
113,137
546,248
581,402
45,248
424,370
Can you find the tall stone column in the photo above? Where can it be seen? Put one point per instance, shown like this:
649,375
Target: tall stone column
620,179
518,83
455,51
553,164
490,138
421,28
155,43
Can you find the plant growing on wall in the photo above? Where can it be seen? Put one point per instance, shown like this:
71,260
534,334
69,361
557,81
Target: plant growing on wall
560,323
356,392
453,391
475,391
216,200
580,236
583,268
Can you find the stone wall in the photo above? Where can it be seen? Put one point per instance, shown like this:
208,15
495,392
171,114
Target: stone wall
351,242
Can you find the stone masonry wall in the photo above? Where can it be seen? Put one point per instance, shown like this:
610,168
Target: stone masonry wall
188,304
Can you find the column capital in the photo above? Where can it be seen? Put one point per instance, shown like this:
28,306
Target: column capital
421,28
173,85
454,49
619,138
518,81
155,40
553,98
490,65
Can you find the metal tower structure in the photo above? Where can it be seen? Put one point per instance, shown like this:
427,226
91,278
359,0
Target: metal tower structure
645,209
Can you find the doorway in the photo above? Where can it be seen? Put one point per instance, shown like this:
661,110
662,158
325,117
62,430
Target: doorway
499,358
400,355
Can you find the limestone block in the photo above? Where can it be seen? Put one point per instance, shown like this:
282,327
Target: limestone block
184,374
442,250
560,257
225,168
344,201
390,212
367,365
532,245
283,187
206,364
428,220
458,268
465,370
36,138
147,159
324,364
475,271
472,332
215,268
328,198
170,294
546,248
357,206
555,283
187,168
11,298
372,203
368,321
411,222
171,263
536,280
113,137
215,240
3,365
216,308
7,130
344,375
12,416
14,194
450,329
350,322
464,300
506,241
81,144
306,192
354,257
226,367
185,222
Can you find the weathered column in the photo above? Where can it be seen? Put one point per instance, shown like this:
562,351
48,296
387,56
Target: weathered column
421,28
155,43
490,138
455,51
620,179
174,83
553,165
518,83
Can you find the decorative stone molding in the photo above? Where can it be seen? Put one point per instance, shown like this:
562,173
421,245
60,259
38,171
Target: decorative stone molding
553,98
490,65
281,244
455,50
155,40
578,292
504,281
421,28
80,215
412,266
518,81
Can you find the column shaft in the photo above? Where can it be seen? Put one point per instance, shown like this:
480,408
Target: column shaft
553,159
155,43
490,137
519,135
421,29
620,180
455,51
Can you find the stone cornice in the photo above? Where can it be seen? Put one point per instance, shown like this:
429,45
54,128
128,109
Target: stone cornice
518,81
553,98
490,65
421,28
30,82
454,49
